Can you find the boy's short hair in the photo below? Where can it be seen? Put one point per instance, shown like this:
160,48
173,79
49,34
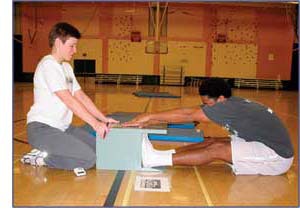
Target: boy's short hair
62,31
214,88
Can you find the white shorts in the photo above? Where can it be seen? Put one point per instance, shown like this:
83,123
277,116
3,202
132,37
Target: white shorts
250,158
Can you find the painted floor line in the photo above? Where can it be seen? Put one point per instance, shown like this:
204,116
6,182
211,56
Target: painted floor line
203,187
23,119
113,193
128,189
20,141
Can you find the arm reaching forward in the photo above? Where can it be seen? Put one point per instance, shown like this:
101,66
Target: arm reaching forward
171,116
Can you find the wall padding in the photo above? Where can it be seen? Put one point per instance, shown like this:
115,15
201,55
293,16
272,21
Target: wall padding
190,55
129,58
234,60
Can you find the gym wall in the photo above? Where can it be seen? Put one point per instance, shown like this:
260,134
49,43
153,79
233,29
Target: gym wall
222,40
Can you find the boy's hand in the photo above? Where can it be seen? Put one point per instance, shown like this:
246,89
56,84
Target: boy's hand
140,121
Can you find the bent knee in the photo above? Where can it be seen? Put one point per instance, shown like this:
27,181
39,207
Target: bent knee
89,161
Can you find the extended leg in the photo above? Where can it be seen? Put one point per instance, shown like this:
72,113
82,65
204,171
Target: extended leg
207,141
215,150
218,150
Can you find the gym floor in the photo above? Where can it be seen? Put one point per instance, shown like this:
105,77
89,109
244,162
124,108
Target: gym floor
198,186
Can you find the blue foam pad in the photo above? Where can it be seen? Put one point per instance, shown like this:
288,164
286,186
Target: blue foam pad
178,135
155,94
184,125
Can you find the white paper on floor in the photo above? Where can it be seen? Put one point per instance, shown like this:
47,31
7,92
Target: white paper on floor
152,184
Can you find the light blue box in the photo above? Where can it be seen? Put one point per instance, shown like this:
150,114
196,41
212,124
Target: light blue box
122,149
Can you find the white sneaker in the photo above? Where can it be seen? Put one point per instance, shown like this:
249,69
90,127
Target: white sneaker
35,158
152,159
150,147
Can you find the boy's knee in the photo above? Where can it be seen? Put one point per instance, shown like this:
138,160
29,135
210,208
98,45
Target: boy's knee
220,150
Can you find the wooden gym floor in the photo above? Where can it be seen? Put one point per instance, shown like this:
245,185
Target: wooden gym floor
198,186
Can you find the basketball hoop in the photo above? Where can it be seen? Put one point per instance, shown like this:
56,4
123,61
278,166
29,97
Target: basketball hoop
156,47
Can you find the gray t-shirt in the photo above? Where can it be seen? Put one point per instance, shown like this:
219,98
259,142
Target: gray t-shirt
252,122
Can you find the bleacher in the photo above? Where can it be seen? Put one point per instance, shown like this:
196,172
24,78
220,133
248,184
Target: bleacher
172,75
118,79
258,83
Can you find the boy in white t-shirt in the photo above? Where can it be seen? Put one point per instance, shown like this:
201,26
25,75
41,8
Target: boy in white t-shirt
57,95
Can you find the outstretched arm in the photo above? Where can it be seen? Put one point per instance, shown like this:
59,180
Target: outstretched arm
91,107
171,116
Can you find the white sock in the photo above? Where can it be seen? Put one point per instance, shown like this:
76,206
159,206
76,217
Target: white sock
164,152
161,152
153,159
157,160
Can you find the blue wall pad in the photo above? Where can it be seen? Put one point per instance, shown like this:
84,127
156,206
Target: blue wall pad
155,94
179,135
122,149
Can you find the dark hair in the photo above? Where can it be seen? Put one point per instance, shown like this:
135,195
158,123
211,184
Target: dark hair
214,88
62,31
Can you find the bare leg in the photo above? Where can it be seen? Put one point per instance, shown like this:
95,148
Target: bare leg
217,150
207,141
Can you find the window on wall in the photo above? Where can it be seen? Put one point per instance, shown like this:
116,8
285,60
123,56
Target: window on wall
162,23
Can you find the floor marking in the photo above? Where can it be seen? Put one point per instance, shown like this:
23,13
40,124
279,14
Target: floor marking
112,195
21,141
202,185
20,120
128,189
147,105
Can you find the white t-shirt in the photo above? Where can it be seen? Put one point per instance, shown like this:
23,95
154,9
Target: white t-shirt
50,77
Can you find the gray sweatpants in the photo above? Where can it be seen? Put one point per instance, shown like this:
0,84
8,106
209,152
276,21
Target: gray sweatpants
72,148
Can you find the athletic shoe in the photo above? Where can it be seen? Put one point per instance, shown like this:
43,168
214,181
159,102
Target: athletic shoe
151,158
147,142
35,158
